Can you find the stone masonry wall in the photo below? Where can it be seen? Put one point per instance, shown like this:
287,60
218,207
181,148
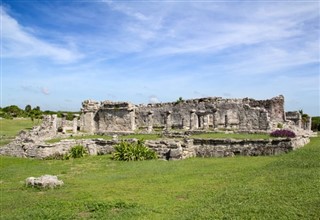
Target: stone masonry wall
194,114
207,113
113,116
168,149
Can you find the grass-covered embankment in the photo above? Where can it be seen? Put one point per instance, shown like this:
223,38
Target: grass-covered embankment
277,187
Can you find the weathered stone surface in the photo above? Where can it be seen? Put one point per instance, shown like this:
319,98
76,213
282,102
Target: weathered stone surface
46,181
202,114
197,115
166,149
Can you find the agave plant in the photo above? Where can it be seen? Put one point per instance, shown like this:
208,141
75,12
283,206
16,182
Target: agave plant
133,151
76,152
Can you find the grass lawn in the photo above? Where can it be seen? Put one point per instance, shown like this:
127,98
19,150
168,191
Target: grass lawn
96,187
10,128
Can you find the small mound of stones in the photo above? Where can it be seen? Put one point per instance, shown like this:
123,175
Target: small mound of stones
45,181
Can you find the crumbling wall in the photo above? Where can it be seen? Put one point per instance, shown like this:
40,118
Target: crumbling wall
274,106
193,114
301,122
205,113
87,122
168,149
295,117
119,116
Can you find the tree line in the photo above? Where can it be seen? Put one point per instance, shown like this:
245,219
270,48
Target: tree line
14,111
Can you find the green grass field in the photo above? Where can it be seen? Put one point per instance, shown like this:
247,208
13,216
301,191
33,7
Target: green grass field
275,187
96,187
10,128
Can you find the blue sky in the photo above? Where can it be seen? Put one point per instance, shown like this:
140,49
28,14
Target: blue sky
56,54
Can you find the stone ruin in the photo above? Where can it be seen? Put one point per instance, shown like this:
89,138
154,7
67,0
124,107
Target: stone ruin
212,113
45,181
183,117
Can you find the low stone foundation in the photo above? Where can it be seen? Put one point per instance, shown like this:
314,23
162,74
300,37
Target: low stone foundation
168,149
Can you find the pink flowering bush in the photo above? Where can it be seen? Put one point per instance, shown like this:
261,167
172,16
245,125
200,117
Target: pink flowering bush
283,133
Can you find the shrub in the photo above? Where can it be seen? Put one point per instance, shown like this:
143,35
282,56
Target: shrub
133,151
279,125
283,133
315,125
77,151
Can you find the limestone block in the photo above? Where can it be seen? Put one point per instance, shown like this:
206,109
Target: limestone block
46,181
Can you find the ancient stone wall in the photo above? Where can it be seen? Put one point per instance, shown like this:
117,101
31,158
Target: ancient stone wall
194,114
296,119
89,110
166,149
274,106
205,113
111,116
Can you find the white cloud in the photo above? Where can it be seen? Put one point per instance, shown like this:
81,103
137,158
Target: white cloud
178,29
189,49
35,89
153,99
45,91
19,41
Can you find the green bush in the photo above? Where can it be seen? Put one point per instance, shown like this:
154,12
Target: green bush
315,125
279,125
77,151
133,151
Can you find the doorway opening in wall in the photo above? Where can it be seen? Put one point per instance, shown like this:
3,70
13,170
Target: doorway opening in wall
226,121
236,153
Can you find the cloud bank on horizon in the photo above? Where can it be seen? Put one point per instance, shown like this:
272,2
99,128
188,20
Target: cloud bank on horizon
56,54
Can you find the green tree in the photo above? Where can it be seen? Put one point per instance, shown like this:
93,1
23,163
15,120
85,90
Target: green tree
180,100
28,108
315,125
36,113
13,111
304,117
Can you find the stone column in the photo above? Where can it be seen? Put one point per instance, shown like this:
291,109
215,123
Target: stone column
54,123
206,121
168,120
63,122
184,124
309,123
132,118
75,123
299,122
88,122
214,120
192,119
150,121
